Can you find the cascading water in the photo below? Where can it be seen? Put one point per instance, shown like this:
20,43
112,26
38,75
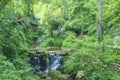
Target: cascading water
56,64
47,65
37,61
53,62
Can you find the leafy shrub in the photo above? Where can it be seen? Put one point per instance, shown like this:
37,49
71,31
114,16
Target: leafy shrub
8,70
9,50
111,41
56,75
18,69
96,66
89,38
71,42
70,33
24,68
80,60
52,42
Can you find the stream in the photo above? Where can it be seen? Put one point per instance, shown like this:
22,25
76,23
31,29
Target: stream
51,61
42,61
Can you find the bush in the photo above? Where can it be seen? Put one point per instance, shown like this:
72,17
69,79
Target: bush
56,75
8,70
96,66
18,69
24,68
52,42
71,42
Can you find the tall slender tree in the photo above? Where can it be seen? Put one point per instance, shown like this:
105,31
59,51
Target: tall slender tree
11,8
17,9
28,5
51,31
100,32
65,9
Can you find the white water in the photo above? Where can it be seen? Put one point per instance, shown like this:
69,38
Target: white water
37,62
53,62
47,65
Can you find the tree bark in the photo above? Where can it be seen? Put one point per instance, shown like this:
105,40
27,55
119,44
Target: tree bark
100,30
28,8
17,9
11,8
51,30
65,9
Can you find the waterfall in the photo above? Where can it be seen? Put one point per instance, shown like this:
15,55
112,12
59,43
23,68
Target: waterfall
47,65
56,64
37,61
53,62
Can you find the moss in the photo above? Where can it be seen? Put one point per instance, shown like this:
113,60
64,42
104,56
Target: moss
56,75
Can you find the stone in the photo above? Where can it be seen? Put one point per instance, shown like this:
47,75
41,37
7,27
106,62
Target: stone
48,78
42,75
80,75
56,75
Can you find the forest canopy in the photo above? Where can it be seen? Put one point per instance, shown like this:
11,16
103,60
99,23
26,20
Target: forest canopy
87,32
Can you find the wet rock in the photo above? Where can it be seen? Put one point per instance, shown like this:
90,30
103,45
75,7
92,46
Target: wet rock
48,78
56,75
80,75
43,75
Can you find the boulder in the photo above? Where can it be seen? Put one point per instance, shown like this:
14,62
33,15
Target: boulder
80,75
42,75
56,75
48,78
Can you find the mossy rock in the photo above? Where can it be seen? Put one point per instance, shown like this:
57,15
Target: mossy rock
56,75
42,75
48,78
80,75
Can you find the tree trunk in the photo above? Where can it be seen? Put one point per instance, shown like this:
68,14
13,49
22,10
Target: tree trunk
65,9
17,10
51,30
51,7
28,8
11,9
100,32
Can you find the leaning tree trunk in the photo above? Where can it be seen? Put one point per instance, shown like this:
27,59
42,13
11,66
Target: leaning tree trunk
100,32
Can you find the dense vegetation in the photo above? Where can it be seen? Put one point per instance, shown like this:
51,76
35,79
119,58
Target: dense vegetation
23,21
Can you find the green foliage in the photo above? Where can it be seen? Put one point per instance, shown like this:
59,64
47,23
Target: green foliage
96,66
51,42
13,39
71,42
9,50
56,22
17,30
18,27
8,70
77,16
24,69
111,17
18,69
111,41
56,75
